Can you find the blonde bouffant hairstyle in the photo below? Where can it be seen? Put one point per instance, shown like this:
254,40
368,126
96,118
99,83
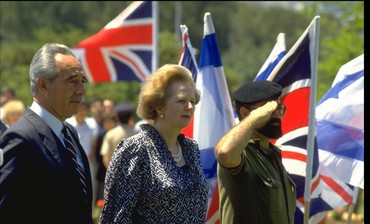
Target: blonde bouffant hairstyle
154,90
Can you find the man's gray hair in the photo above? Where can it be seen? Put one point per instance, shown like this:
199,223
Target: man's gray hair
43,63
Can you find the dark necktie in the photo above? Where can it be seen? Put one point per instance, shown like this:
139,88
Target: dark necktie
72,157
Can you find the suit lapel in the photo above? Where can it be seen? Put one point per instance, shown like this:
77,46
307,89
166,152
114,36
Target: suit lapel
48,138
54,148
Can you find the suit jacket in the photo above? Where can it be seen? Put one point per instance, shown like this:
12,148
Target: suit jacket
35,185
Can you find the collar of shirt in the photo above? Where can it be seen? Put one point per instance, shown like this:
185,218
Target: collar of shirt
54,123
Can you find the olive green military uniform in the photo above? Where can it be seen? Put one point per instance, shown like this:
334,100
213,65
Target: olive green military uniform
257,191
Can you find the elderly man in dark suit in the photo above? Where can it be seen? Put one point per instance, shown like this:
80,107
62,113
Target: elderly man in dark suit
45,175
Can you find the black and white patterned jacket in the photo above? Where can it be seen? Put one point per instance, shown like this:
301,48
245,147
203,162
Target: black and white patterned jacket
144,185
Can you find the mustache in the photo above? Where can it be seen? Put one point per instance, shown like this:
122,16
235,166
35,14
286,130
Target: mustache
275,120
272,129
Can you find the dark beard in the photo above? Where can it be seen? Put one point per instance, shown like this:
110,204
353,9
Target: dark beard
270,130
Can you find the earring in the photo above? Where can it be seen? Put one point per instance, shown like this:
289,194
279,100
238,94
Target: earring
161,116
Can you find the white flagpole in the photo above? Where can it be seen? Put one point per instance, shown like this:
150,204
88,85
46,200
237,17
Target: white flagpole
184,29
155,14
352,205
178,18
312,119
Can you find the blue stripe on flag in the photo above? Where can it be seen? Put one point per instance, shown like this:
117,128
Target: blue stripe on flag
349,142
319,205
334,91
187,61
143,11
210,54
266,73
298,66
209,163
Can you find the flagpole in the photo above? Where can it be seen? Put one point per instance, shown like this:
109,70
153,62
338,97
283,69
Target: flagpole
312,121
155,59
352,205
178,15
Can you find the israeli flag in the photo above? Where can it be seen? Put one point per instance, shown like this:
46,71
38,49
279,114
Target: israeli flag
340,125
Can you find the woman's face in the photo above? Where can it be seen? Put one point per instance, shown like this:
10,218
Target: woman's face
13,117
179,106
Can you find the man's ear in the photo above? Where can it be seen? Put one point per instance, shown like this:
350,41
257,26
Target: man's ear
42,84
244,111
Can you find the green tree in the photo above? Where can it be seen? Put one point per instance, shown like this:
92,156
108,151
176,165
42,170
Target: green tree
341,39
245,32
344,44
253,35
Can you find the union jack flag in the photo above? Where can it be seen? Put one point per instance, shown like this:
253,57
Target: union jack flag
187,59
296,73
125,49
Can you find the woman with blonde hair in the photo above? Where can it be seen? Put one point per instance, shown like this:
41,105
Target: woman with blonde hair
12,111
155,176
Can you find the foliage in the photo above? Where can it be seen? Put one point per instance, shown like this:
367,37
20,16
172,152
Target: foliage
347,44
251,43
341,40
21,21
169,48
245,32
14,64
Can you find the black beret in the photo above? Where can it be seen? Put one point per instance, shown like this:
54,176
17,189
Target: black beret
257,91
124,108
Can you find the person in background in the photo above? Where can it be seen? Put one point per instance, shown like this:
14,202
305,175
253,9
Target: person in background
6,94
155,176
125,115
95,123
96,110
108,106
12,111
253,185
109,121
86,137
45,175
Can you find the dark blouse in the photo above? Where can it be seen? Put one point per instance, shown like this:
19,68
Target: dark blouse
144,185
